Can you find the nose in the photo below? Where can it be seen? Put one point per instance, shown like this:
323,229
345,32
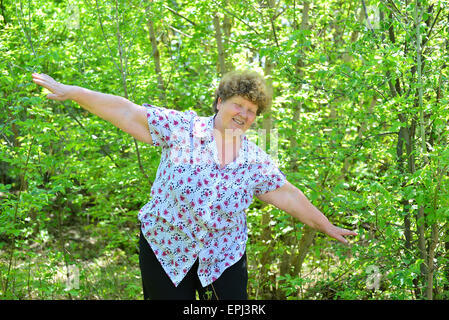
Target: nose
244,113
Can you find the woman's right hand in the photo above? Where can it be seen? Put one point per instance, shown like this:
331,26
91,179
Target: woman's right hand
58,90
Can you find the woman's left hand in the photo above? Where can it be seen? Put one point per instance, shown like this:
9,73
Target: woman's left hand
339,233
291,200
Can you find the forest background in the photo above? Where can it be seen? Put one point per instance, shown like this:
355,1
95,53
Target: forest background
359,124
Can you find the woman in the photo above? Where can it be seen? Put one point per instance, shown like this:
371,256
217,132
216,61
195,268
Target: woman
193,230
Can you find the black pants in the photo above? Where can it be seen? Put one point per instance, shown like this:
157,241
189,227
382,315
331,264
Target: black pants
231,285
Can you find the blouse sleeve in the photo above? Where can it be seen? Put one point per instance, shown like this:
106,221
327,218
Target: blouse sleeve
270,177
165,124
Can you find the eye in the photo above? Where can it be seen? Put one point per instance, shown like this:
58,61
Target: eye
251,112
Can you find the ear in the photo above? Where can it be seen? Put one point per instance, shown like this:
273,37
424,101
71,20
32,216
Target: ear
219,103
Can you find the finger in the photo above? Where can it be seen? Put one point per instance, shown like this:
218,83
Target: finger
40,75
338,235
342,240
44,84
55,97
47,77
43,77
347,232
37,76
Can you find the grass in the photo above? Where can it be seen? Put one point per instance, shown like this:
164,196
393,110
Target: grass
87,269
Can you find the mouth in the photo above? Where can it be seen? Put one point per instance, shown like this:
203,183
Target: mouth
239,122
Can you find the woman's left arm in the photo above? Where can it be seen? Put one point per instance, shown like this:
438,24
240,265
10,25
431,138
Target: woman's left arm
291,200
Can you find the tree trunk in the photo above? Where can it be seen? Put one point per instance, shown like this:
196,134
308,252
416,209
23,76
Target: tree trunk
219,39
266,126
156,57
227,25
306,241
264,139
406,135
421,217
308,233
292,260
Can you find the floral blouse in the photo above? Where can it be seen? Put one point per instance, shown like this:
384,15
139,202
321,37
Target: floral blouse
197,209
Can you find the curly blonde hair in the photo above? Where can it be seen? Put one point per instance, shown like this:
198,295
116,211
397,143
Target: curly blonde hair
247,84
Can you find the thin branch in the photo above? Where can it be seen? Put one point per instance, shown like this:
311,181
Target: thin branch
370,87
82,127
243,45
22,183
120,50
237,17
178,31
7,140
140,162
179,15
273,28
397,10
431,28
366,17
23,28
104,35
394,14
279,14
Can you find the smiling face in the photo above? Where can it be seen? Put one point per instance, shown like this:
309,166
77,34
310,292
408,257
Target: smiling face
236,114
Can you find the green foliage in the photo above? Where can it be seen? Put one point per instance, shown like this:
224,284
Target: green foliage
345,90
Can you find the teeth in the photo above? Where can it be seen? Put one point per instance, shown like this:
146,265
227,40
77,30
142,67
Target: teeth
238,121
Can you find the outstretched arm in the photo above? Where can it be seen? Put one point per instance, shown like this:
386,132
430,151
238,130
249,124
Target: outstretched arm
119,111
291,200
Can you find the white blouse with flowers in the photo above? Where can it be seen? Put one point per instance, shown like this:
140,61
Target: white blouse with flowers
197,209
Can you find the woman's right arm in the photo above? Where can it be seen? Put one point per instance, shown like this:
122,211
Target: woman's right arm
122,113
